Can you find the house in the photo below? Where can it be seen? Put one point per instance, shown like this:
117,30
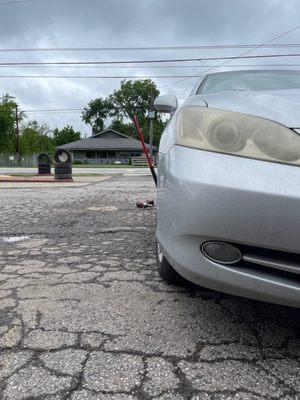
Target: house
106,147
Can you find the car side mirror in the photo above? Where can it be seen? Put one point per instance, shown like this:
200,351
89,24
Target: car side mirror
166,104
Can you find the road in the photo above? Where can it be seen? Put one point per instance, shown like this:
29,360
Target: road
105,171
84,315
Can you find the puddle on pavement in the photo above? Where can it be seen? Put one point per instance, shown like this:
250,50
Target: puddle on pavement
14,239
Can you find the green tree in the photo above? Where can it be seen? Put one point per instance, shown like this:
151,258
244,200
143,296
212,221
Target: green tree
7,123
35,139
65,135
122,127
96,112
158,127
133,97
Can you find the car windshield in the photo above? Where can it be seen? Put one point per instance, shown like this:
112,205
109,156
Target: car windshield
250,80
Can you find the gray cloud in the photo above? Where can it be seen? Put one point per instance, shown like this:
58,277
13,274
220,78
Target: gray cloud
79,23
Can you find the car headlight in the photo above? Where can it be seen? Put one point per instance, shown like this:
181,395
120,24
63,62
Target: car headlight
237,134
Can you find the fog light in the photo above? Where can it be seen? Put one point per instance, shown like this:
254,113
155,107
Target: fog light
222,253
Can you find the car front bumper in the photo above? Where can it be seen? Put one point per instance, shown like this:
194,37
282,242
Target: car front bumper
204,196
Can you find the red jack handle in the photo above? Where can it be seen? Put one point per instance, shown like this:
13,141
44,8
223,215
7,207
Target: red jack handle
140,135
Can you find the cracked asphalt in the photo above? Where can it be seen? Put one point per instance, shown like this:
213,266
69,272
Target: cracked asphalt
84,315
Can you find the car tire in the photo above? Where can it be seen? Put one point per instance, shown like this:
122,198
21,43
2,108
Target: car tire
43,158
44,169
63,169
62,156
63,177
164,268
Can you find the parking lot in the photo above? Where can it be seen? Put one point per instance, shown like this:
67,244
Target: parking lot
84,315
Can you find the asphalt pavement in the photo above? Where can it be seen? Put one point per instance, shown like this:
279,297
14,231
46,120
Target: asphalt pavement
84,315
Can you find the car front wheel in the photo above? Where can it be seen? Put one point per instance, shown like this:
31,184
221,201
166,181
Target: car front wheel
164,268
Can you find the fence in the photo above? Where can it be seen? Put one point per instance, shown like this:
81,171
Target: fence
140,161
10,160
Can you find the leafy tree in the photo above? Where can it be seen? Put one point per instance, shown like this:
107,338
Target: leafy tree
65,135
95,114
133,97
7,123
158,127
123,127
35,139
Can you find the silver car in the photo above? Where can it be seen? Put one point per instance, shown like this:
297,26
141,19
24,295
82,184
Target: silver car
229,185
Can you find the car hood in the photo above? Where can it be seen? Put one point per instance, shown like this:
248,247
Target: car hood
282,106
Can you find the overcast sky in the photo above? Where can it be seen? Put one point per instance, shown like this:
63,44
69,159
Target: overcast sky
117,23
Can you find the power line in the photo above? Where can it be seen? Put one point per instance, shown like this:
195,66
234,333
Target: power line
98,77
147,48
152,66
173,67
264,45
244,54
54,110
146,61
6,3
60,110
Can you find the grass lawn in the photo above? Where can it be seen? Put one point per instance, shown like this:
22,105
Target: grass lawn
31,175
108,166
23,175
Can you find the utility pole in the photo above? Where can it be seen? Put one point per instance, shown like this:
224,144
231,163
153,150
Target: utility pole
18,135
151,116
